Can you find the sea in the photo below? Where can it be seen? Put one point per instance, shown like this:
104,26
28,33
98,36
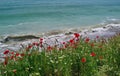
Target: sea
38,16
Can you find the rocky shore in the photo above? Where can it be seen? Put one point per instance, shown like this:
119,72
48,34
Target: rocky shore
17,43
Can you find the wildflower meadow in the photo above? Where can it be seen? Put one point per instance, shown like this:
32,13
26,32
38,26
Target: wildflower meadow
78,57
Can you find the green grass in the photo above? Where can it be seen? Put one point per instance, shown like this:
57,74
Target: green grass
68,62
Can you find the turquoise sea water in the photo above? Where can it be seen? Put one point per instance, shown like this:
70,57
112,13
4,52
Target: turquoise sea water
34,16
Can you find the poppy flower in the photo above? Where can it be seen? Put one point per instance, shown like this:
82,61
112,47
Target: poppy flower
6,51
41,42
41,45
71,41
41,39
76,35
17,54
30,46
87,40
65,46
12,53
64,43
5,62
92,44
77,39
83,60
92,54
11,57
35,44
49,48
97,37
22,54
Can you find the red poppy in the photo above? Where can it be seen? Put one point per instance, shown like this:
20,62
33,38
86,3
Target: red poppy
5,62
12,53
22,54
76,35
77,39
17,54
41,42
64,43
41,45
41,39
71,41
35,44
87,40
92,45
49,48
30,46
6,51
11,57
83,60
65,46
97,37
92,54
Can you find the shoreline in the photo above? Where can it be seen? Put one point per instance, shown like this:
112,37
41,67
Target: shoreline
58,31
50,38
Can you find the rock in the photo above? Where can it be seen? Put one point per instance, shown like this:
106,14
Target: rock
19,38
68,33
